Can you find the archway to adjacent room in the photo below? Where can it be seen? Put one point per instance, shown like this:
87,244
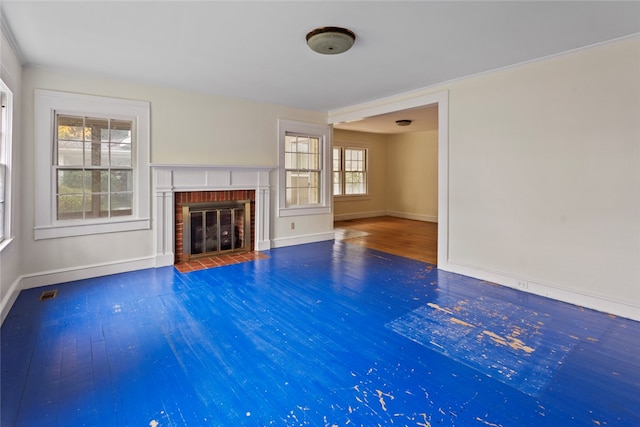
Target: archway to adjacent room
408,102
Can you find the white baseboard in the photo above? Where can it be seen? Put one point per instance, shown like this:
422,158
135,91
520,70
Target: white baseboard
263,245
165,260
415,217
358,215
51,277
301,240
595,302
9,298
361,215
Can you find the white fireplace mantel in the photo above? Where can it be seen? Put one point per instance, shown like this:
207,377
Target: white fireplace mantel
168,179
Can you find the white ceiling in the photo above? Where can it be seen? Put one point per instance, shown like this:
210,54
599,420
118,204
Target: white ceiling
257,50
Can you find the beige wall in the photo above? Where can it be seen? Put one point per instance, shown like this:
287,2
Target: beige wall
541,185
403,176
412,175
186,128
544,179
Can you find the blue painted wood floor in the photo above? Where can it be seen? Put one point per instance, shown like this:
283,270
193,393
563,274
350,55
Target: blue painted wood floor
326,334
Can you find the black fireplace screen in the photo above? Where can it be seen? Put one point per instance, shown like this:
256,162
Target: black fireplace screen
215,227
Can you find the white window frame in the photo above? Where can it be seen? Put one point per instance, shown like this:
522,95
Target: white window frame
350,146
323,133
47,103
6,98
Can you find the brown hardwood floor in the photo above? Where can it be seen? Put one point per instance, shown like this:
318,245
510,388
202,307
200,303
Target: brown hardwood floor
404,237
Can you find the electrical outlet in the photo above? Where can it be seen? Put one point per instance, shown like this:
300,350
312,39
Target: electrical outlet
293,225
523,284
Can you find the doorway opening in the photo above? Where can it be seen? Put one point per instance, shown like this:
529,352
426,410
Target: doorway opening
382,107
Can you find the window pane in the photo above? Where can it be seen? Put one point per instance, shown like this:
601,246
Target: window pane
121,204
96,154
121,180
70,206
355,183
70,128
355,188
336,159
289,160
121,154
354,160
314,145
69,181
291,196
70,153
313,161
96,205
97,129
337,184
121,131
289,141
1,220
291,177
3,172
96,181
313,196
314,179
302,161
302,188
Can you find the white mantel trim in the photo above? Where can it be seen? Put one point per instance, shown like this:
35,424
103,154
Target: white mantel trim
168,179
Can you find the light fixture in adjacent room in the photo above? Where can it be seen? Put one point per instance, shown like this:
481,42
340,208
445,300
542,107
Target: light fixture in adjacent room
404,122
330,40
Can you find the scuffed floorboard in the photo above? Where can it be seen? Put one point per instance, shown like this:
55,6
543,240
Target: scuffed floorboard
326,334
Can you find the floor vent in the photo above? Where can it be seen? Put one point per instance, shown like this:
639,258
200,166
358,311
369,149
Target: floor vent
48,295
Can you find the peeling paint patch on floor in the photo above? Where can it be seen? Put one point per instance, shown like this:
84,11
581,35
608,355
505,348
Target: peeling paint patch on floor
514,345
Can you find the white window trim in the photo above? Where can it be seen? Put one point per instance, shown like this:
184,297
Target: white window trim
354,146
46,104
6,157
323,132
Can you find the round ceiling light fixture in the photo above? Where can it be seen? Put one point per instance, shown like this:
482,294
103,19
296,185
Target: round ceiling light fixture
330,40
404,122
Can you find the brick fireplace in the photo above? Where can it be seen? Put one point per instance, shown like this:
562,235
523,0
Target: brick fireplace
183,198
176,185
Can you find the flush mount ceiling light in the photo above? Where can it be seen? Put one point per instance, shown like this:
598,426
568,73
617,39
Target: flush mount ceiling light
330,40
404,122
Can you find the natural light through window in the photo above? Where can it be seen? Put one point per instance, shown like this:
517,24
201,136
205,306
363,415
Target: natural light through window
5,159
303,172
349,171
92,164
94,173
304,176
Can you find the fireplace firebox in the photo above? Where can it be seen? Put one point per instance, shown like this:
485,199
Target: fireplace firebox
214,228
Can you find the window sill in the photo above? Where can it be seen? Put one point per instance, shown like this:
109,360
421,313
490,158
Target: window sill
83,229
5,243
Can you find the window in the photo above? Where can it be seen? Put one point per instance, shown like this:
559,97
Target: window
349,171
92,165
302,169
94,172
304,176
6,109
